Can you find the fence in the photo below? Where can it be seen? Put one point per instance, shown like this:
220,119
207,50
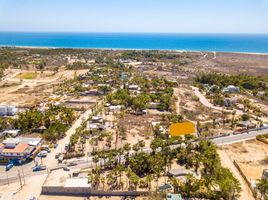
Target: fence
245,178
262,140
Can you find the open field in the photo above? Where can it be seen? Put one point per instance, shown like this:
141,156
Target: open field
27,75
27,92
250,156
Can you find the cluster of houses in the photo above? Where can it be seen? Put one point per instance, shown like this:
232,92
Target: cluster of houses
19,149
225,90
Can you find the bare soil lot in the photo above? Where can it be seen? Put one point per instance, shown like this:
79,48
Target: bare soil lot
250,156
232,63
18,89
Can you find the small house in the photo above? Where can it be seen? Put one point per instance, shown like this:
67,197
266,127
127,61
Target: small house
231,89
179,172
229,102
246,124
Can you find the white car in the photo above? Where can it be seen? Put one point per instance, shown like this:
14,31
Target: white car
32,198
66,168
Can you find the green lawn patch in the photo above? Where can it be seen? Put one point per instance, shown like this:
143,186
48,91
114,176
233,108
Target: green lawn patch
27,75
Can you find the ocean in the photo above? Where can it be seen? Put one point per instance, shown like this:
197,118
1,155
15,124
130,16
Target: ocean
146,41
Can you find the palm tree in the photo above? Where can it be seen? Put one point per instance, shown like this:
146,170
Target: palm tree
95,159
176,183
149,179
141,144
102,180
127,148
262,186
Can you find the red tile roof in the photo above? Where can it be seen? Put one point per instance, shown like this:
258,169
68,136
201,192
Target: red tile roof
20,148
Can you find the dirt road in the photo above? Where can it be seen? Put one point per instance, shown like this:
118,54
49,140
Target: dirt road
206,103
227,162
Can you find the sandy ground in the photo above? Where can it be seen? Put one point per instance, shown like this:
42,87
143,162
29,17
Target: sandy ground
32,187
30,91
227,162
250,156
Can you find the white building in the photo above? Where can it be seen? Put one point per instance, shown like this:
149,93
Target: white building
8,110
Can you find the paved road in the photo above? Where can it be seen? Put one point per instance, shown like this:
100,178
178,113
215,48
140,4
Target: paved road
87,161
239,138
49,161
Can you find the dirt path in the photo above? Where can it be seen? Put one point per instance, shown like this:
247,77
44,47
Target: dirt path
206,103
227,162
176,92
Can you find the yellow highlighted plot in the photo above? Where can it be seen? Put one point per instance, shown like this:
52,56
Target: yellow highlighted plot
184,128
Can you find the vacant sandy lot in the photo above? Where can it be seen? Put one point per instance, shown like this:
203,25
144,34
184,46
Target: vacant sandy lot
26,92
250,156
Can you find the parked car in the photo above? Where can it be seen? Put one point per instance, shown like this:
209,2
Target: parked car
39,168
66,168
71,164
57,155
32,198
240,131
165,186
42,154
9,166
60,159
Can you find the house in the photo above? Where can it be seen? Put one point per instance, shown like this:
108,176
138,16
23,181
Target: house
117,108
179,172
229,102
124,76
265,174
261,93
93,92
160,128
97,119
96,122
231,89
8,110
154,105
173,197
133,88
246,124
19,149
10,132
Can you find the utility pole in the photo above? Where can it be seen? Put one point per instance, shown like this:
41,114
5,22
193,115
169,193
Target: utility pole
20,178
7,179
23,176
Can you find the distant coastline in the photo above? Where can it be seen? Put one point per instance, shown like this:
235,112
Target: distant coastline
114,49
229,43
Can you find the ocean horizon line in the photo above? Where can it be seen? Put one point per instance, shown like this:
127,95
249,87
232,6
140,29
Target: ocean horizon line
151,33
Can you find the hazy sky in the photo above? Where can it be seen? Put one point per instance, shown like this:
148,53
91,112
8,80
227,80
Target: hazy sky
177,16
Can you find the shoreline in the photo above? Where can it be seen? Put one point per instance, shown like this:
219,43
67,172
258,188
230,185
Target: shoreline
132,49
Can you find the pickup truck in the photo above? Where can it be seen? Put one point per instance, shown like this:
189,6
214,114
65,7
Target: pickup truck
39,168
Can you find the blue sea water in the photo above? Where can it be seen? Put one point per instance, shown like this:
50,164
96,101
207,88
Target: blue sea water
190,42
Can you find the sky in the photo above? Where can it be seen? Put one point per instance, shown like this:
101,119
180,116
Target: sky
161,16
